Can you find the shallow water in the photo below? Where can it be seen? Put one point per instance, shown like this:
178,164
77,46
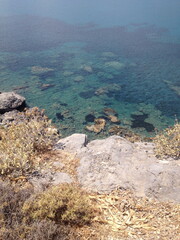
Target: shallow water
75,71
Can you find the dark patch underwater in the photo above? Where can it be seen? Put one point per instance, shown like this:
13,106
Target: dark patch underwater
148,80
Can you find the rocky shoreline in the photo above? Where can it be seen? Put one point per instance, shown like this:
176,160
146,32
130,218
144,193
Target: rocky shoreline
104,165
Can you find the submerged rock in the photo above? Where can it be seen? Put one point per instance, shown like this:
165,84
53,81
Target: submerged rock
60,116
87,68
115,64
10,101
111,115
108,54
64,114
109,111
139,122
79,78
20,88
124,132
87,94
46,86
37,70
67,73
101,91
99,125
113,119
109,89
104,75
174,87
90,117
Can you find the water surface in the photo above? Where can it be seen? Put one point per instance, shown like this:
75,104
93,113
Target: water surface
76,59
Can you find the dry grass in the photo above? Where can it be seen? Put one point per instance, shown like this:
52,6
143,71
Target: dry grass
61,161
129,217
65,203
168,142
114,216
21,142
66,212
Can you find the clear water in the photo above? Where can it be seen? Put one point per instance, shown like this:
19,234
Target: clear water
75,58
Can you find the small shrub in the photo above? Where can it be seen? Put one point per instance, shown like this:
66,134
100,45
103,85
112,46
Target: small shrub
63,204
12,219
48,230
11,216
168,142
22,141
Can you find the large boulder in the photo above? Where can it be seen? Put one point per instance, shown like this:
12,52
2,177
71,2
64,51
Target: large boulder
10,101
74,143
115,162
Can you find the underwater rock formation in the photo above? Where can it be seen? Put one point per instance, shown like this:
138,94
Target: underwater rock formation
87,94
139,122
124,132
87,68
109,111
64,114
111,115
46,86
101,91
174,87
67,73
90,117
37,70
79,78
99,125
60,116
20,88
108,54
113,119
114,64
109,89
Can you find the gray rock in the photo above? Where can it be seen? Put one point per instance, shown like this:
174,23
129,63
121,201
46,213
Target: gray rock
73,143
44,179
40,181
60,177
10,101
117,163
8,117
114,162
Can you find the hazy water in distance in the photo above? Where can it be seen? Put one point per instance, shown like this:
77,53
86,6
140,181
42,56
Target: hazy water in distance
76,57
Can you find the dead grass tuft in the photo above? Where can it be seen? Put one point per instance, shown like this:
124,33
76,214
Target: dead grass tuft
129,217
21,142
168,142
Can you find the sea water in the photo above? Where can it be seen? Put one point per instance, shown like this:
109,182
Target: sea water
79,59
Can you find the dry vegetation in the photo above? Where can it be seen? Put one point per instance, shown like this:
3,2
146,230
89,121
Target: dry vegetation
21,142
129,217
65,204
13,221
66,212
168,142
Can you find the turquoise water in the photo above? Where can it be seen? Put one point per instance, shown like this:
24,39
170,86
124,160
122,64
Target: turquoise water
75,59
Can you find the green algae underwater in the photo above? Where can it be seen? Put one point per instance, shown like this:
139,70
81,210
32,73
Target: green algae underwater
128,76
